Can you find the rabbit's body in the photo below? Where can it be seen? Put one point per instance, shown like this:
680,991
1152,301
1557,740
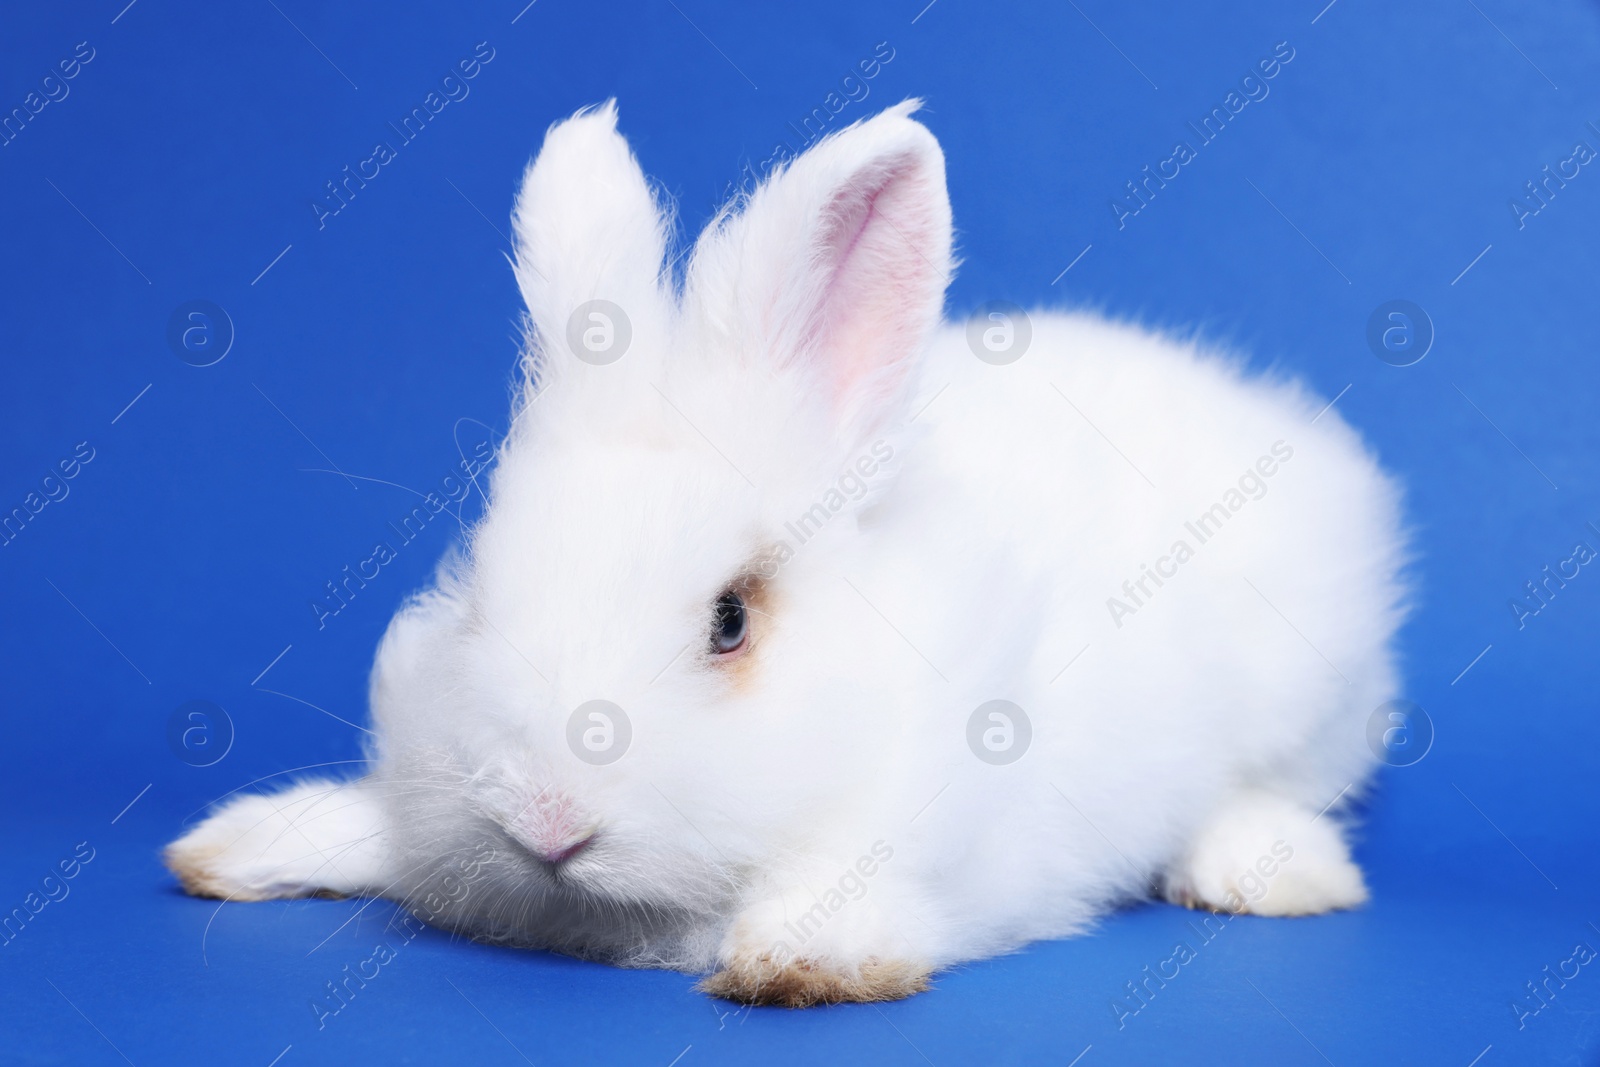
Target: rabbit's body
1251,666
1187,580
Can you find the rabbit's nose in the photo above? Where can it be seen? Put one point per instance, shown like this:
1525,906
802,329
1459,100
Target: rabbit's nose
563,853
552,827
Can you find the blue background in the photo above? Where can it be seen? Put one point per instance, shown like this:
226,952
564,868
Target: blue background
184,161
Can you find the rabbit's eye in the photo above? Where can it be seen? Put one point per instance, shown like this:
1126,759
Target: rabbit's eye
730,628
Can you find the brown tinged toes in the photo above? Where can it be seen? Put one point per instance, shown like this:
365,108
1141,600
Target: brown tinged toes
1185,899
801,983
193,867
189,868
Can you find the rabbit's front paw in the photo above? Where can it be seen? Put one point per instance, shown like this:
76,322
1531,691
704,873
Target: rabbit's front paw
314,839
800,982
843,953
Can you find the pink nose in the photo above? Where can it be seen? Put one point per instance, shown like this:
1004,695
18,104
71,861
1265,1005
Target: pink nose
559,854
552,827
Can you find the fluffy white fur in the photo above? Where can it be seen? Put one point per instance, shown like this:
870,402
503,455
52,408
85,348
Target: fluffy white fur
1177,749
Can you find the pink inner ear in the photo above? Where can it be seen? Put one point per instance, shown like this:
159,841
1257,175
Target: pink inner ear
876,246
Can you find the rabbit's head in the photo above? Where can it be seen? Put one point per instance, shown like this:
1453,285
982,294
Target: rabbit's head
616,683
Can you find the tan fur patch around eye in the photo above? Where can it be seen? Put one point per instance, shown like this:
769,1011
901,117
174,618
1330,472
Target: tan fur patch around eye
759,595
760,599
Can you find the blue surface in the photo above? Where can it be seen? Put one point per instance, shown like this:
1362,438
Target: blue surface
181,165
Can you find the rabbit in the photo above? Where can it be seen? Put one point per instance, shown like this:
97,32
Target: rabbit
812,645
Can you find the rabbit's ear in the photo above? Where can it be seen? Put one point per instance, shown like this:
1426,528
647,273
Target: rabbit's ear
587,228
838,264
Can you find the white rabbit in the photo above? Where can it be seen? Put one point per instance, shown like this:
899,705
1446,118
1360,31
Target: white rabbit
799,534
